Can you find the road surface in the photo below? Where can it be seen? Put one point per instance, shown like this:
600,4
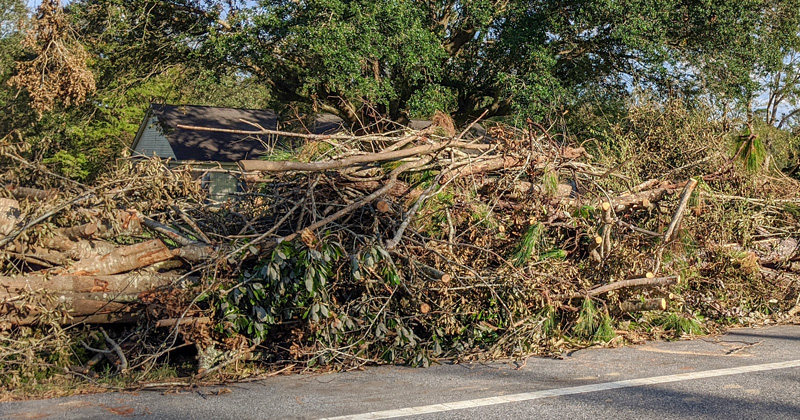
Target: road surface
745,374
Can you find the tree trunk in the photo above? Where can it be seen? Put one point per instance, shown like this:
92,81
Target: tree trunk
121,283
124,259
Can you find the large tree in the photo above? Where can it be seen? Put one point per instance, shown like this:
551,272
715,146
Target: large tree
397,59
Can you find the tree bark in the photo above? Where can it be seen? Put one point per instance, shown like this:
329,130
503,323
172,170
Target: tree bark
284,166
9,216
31,193
77,309
121,283
657,304
124,259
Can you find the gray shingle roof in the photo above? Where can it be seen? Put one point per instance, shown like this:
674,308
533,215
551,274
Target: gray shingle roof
207,146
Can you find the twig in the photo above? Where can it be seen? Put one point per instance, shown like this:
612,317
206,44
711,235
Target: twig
392,243
199,232
123,362
13,235
623,284
364,201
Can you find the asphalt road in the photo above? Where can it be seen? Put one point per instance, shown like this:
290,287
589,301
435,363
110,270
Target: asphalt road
745,374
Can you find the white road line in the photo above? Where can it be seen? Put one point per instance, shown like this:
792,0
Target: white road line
528,396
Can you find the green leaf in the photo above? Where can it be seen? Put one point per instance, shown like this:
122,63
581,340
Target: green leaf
260,313
309,284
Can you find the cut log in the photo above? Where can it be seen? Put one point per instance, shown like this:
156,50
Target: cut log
120,283
75,309
657,304
383,206
124,259
434,273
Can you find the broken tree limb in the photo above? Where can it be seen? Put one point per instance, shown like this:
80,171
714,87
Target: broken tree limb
644,199
366,200
284,166
123,362
36,253
83,231
67,310
185,217
390,244
605,229
624,284
171,322
89,248
487,165
13,235
124,259
651,183
684,200
167,231
195,252
657,304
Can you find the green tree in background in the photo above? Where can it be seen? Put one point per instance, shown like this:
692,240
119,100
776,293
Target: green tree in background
399,59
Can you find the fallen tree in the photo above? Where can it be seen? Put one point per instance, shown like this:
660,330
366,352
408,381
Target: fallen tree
400,248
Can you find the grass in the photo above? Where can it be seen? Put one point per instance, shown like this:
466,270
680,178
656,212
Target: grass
679,324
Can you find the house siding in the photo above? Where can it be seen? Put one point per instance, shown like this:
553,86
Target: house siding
153,142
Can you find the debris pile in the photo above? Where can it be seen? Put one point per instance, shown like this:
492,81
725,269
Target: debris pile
406,247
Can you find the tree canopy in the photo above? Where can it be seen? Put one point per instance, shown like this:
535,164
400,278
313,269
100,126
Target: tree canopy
392,60
399,59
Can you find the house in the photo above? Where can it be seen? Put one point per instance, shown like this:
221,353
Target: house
159,135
